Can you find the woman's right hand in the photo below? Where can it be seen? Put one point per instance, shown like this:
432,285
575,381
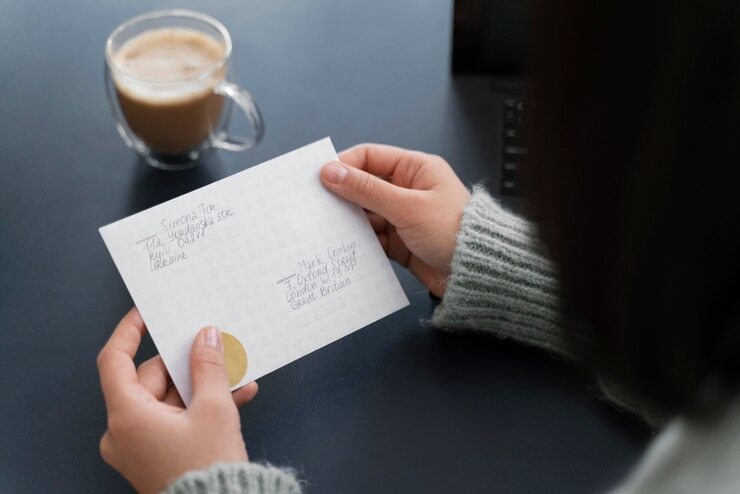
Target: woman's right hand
414,202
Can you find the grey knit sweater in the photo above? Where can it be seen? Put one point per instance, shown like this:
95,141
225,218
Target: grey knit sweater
502,283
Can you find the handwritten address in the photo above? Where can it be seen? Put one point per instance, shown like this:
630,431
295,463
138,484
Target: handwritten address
320,275
169,245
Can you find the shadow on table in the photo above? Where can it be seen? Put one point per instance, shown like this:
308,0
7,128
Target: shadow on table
151,186
489,407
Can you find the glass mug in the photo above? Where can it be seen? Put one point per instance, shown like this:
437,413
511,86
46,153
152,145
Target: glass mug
167,82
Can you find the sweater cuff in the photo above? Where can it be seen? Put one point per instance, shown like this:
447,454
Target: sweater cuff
501,282
233,478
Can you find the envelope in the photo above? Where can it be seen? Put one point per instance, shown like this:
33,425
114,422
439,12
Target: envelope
280,264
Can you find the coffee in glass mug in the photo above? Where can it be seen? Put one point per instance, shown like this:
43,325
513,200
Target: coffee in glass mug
167,78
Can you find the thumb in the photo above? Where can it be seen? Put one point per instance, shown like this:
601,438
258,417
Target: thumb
366,190
208,372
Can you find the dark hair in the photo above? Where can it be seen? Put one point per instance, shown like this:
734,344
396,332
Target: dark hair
634,136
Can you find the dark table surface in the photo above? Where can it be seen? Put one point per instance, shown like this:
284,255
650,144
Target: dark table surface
397,406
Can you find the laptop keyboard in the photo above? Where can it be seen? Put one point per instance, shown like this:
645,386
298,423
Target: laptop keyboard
513,147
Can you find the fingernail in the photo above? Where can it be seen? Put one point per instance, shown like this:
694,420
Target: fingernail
212,337
334,172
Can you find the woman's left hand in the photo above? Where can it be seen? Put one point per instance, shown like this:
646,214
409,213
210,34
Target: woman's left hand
152,439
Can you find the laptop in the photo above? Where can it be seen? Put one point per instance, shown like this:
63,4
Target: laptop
489,39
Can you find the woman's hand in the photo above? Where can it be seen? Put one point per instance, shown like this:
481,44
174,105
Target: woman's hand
414,202
152,439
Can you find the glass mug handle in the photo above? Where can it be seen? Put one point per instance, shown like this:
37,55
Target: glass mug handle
243,100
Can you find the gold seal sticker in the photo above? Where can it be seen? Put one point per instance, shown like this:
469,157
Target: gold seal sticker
235,357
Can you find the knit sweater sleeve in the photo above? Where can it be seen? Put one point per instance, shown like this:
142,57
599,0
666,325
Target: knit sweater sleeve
236,478
501,280
503,283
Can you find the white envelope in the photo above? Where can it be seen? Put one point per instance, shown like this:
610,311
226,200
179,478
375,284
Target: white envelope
268,255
